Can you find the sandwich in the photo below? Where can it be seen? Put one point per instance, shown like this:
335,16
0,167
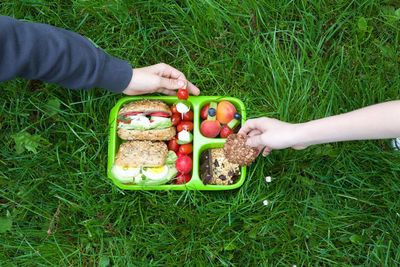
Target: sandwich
144,163
145,120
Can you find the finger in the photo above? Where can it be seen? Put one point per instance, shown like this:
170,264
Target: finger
254,141
254,132
168,71
266,151
167,92
193,90
171,84
249,126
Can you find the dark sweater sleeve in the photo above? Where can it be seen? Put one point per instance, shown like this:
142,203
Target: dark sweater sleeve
42,52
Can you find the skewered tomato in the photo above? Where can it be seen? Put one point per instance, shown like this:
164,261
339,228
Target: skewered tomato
185,125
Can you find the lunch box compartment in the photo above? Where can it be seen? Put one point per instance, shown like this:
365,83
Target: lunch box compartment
200,143
236,102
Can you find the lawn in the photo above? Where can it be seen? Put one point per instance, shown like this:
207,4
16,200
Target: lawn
329,205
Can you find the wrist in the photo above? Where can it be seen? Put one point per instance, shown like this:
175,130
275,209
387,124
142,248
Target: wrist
302,135
129,87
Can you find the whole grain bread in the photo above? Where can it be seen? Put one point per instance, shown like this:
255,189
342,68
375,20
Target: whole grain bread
141,154
146,106
236,150
150,135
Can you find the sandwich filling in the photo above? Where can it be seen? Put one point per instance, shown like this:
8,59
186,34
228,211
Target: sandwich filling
147,175
142,121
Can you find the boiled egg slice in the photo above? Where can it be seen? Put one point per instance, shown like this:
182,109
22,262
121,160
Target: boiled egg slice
140,120
154,121
156,173
125,174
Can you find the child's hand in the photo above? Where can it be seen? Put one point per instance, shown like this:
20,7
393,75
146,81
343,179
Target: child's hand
270,134
160,78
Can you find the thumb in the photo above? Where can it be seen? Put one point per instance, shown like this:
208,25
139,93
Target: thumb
255,141
171,84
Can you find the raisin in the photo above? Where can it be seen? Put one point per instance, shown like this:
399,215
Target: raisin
216,164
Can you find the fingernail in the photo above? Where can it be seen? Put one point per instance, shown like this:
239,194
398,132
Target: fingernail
181,83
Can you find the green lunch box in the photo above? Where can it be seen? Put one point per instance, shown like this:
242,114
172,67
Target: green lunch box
200,143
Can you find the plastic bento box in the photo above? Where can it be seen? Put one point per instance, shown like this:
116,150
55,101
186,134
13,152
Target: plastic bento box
200,143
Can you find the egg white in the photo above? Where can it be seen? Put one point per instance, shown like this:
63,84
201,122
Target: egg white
156,173
125,174
140,120
157,120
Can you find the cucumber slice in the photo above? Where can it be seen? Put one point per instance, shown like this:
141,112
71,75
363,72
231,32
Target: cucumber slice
233,124
213,105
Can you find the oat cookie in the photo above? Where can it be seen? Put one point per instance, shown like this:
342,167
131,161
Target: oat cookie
236,150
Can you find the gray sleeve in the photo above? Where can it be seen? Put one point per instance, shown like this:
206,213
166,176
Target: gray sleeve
42,52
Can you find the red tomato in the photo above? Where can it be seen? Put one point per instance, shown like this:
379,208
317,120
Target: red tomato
184,164
183,94
186,149
173,145
183,178
225,131
185,125
188,116
173,110
179,154
204,111
176,119
131,113
160,114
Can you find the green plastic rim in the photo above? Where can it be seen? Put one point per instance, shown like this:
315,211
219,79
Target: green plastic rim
200,143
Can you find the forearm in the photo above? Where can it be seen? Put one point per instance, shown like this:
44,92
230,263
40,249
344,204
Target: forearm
42,52
379,121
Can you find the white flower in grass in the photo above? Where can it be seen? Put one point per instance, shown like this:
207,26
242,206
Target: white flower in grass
396,144
265,202
268,179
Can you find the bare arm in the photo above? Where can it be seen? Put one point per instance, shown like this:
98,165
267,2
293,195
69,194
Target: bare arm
379,121
374,122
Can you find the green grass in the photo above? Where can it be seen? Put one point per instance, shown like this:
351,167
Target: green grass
329,205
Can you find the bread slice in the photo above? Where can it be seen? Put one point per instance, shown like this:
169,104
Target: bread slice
150,135
141,154
146,106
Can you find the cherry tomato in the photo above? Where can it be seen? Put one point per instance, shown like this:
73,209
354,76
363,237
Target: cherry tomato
173,145
173,110
176,119
183,178
186,149
204,111
179,154
184,164
188,116
185,125
183,94
225,131
160,114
